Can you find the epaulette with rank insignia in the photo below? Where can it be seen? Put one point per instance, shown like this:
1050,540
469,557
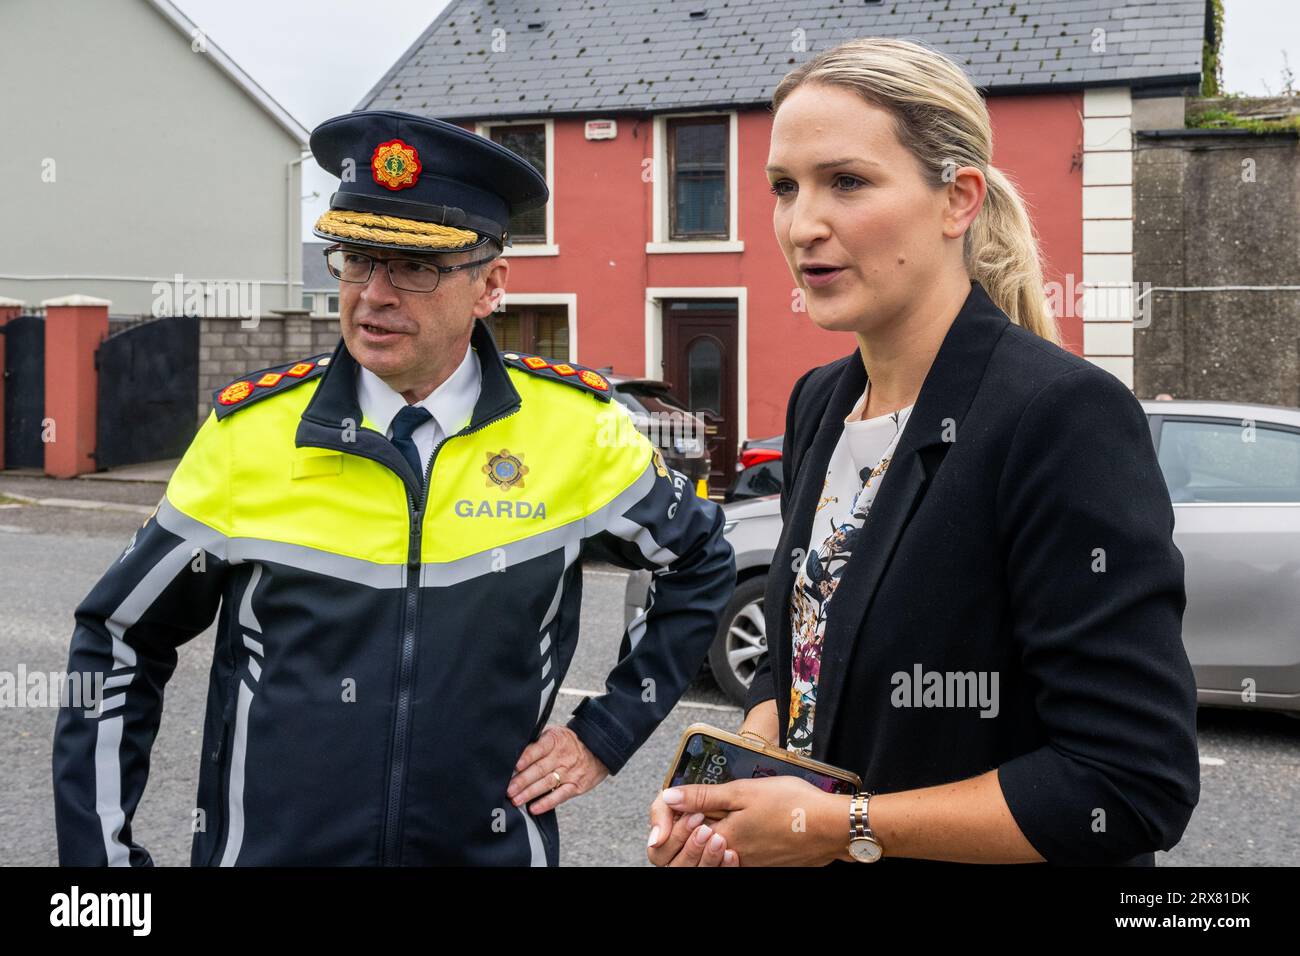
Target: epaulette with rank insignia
579,376
255,386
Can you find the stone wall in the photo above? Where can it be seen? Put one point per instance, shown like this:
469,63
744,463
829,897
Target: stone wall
227,350
1212,209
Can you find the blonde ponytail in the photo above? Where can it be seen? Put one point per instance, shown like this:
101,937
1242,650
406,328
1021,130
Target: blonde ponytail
942,120
1002,255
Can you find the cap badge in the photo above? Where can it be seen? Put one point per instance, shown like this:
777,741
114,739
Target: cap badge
396,165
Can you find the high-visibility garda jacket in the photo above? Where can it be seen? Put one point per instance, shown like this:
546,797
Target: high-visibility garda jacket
384,653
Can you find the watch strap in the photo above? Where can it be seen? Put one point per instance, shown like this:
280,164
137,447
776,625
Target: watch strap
859,820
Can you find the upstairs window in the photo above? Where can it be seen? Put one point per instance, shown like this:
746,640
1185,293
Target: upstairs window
697,171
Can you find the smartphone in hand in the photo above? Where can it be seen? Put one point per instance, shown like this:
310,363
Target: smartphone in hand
711,755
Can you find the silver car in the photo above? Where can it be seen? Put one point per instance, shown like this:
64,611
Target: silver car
1233,472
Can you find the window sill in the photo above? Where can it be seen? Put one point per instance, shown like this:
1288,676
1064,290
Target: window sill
531,249
706,245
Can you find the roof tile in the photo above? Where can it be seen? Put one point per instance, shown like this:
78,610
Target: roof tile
741,49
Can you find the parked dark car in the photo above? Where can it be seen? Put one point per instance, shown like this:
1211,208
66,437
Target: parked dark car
668,423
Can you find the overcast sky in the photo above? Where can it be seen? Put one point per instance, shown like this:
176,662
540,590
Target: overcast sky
318,58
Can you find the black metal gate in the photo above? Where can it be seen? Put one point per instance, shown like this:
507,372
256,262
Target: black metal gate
24,386
148,392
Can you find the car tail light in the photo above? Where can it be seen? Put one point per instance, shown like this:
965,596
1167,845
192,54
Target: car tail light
756,456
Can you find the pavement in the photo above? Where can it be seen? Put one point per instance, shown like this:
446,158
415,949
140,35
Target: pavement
90,491
157,471
51,554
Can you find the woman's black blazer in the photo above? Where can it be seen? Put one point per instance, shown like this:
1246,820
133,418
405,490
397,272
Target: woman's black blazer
1023,528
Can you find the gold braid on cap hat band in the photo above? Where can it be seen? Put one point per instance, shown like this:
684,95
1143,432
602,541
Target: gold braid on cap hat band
407,232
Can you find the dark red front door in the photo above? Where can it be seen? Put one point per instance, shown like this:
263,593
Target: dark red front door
700,361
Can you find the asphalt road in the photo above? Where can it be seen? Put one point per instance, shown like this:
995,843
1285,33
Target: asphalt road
50,557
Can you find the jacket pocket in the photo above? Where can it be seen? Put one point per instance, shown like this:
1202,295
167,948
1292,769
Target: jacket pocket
317,466
219,762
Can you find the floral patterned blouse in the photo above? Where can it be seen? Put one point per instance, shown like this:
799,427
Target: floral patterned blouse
856,469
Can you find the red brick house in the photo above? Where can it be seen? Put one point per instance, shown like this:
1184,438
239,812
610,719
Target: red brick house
651,120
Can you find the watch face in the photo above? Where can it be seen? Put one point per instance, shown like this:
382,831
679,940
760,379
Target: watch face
864,850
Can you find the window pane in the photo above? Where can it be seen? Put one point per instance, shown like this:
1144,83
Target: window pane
504,327
1225,461
553,336
332,304
699,187
530,143
532,330
308,302
704,370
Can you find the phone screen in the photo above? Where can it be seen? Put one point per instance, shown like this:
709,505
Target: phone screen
707,759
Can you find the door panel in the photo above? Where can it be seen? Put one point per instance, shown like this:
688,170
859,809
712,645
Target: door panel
1242,577
1236,498
24,385
700,361
148,383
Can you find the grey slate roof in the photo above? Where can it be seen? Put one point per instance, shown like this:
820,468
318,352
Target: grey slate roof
610,55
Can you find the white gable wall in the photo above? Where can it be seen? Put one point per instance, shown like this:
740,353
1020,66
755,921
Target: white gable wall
162,163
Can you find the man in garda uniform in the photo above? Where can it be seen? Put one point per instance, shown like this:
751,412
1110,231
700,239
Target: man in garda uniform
389,538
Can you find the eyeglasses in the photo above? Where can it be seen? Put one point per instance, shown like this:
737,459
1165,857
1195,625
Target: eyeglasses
409,275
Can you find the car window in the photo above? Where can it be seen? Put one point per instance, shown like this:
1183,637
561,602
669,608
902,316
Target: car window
757,480
626,398
1228,461
654,399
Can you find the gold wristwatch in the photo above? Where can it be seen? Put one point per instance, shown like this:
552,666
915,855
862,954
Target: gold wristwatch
863,845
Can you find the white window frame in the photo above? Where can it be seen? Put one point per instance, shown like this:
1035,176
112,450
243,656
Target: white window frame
660,243
549,247
654,338
567,299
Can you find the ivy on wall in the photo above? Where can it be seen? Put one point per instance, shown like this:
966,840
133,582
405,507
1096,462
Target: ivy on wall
1211,61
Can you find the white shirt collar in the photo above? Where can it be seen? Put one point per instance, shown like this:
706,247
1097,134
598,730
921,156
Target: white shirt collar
451,404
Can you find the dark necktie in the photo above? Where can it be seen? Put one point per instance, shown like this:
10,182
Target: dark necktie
404,425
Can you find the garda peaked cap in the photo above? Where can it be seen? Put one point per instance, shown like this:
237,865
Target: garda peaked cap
419,184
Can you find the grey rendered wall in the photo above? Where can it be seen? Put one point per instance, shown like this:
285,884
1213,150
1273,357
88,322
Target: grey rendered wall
162,163
1217,210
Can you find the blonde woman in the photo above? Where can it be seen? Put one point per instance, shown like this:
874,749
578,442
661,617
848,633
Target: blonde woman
977,602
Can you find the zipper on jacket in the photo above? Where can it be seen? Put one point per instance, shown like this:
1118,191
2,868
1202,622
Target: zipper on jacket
220,756
402,718
217,825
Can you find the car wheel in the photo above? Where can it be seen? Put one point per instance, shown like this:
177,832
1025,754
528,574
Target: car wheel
741,643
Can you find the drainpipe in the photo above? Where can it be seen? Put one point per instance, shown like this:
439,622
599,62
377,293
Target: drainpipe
292,213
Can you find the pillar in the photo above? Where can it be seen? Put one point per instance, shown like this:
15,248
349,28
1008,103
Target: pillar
74,327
